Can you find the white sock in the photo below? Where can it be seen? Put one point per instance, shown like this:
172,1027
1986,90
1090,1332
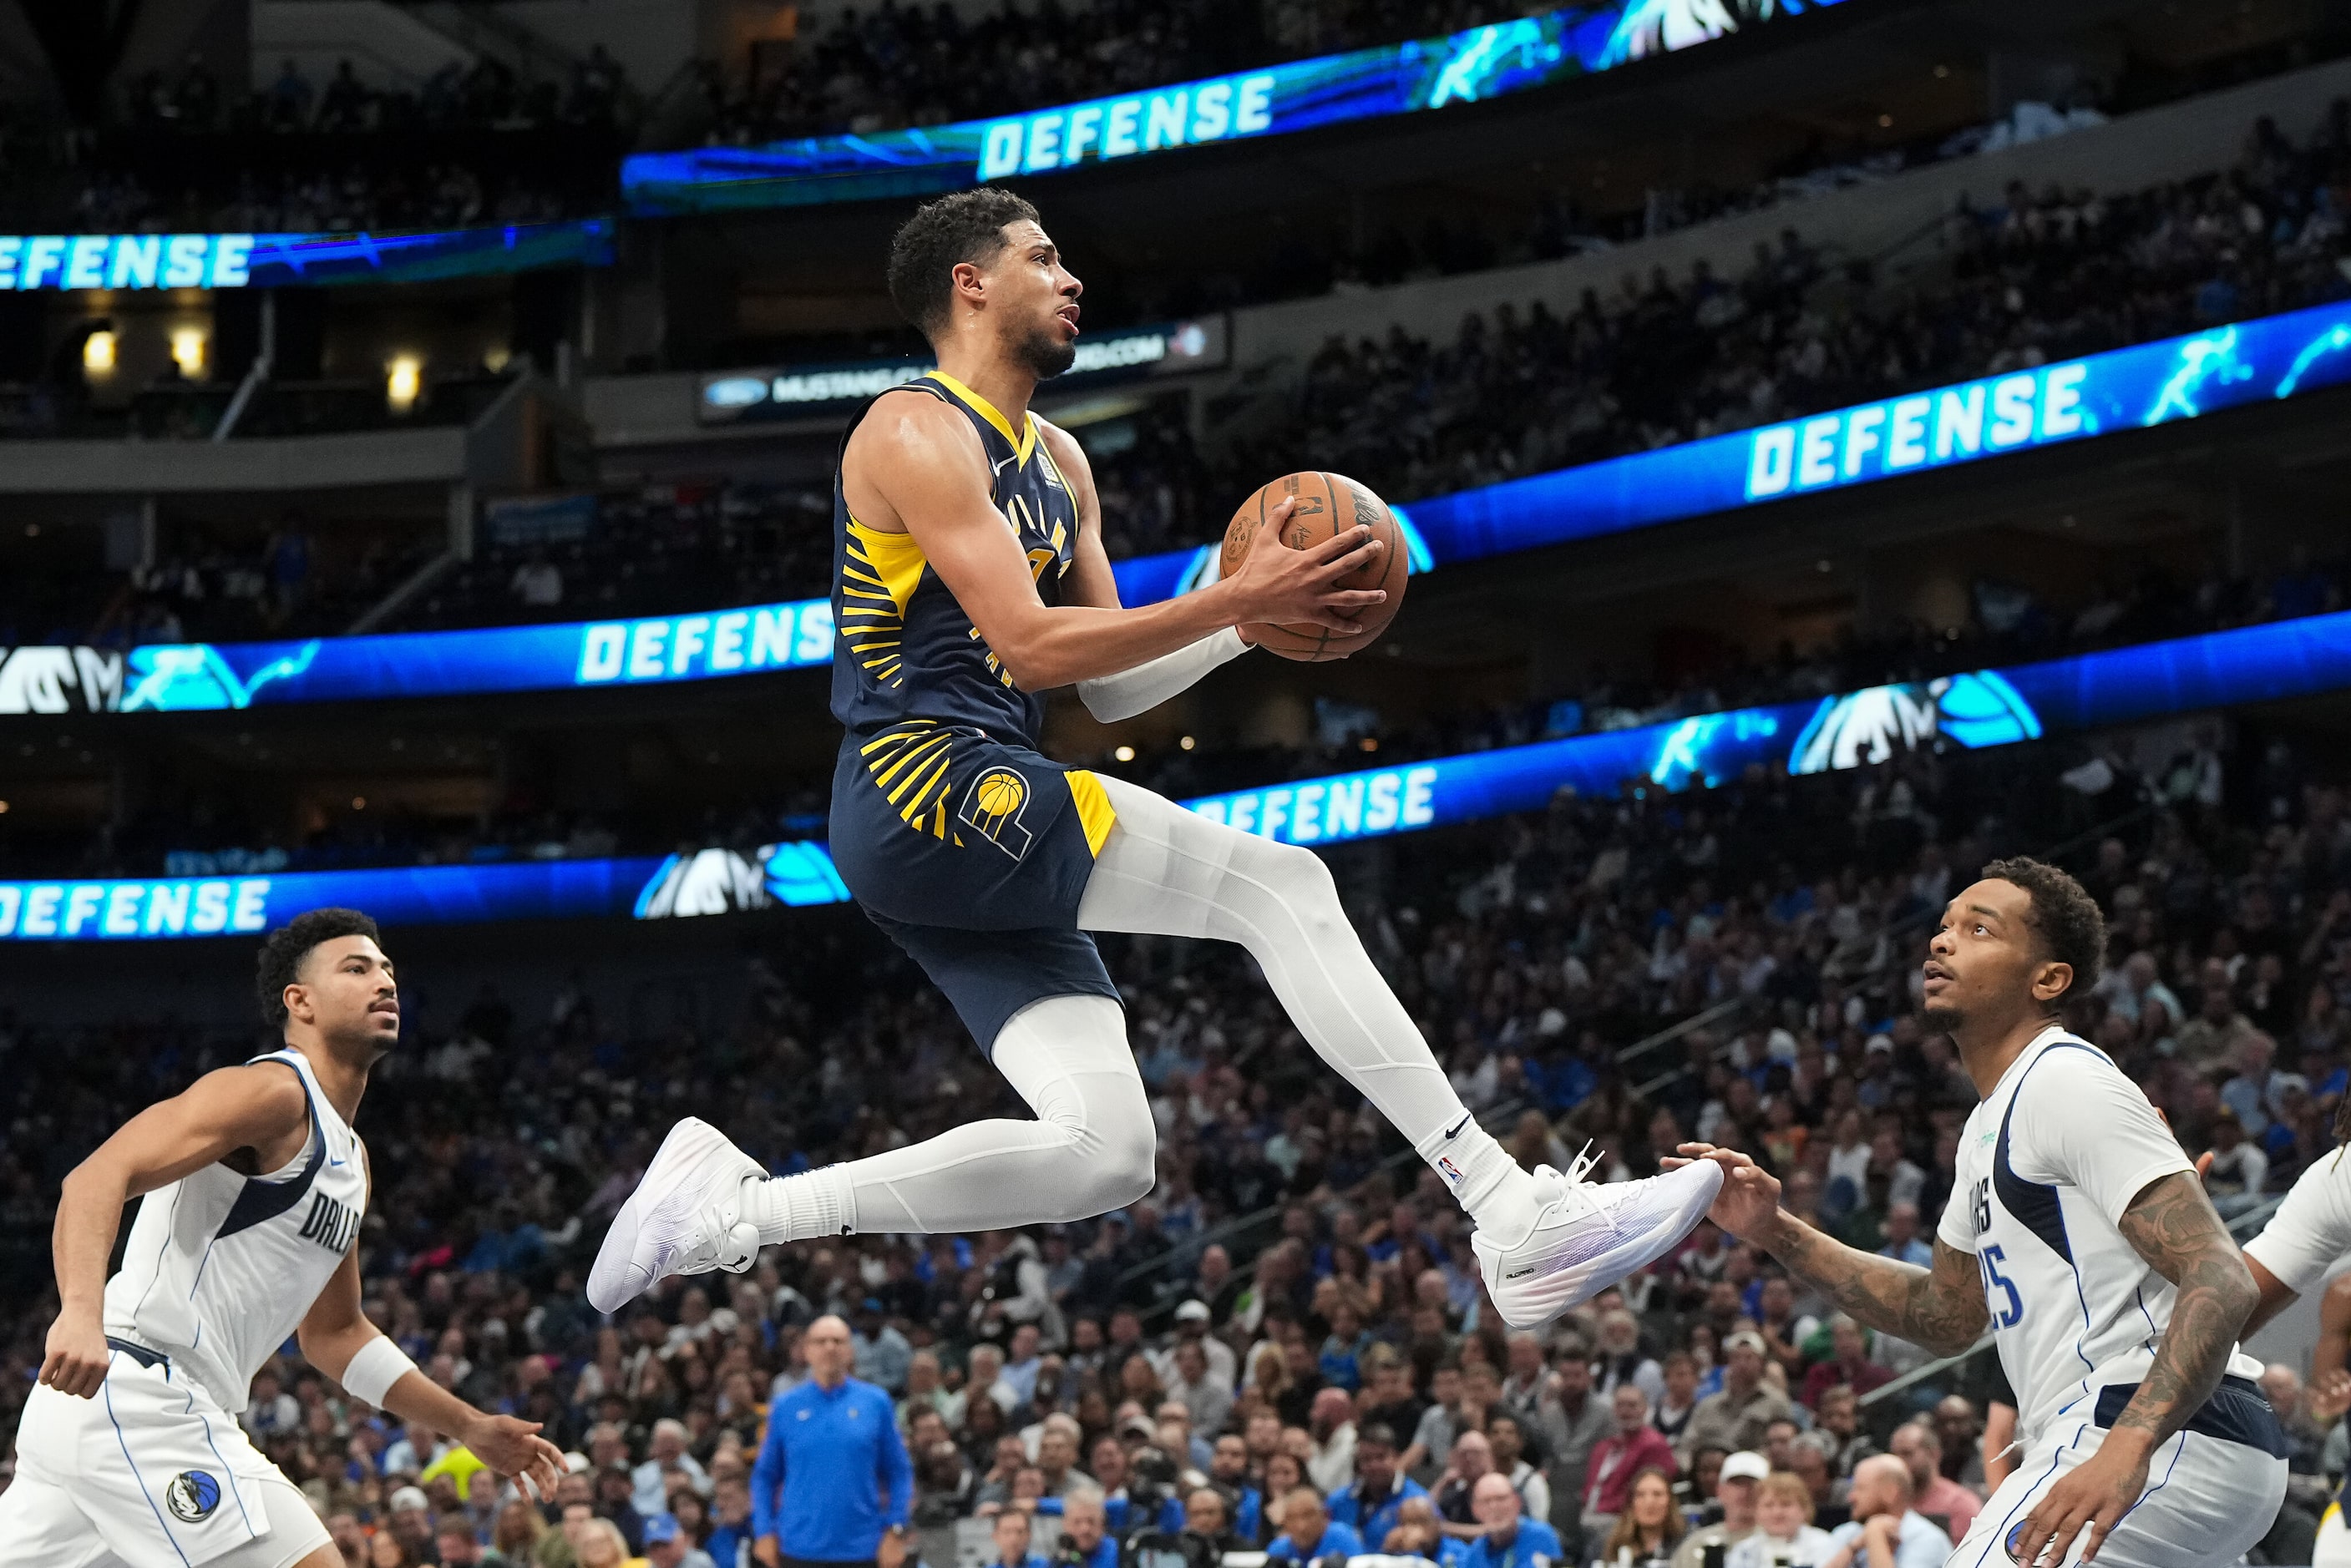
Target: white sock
1089,1150
1172,872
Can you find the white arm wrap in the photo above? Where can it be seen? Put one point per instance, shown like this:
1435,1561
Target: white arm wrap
1111,698
378,1365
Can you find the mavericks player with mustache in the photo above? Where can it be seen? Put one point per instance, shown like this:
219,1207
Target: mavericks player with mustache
2078,1232
129,1454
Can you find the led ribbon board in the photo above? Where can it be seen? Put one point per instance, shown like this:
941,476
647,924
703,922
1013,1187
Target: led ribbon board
2239,366
30,262
734,396
1973,710
1399,79
708,883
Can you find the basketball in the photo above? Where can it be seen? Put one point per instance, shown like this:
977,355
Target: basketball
1327,502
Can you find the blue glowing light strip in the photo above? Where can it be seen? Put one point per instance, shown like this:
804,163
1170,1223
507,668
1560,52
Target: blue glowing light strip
40,262
1480,63
1974,710
2249,363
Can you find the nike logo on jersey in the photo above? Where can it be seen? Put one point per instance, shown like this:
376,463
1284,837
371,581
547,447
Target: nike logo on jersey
330,1224
998,466
1455,1128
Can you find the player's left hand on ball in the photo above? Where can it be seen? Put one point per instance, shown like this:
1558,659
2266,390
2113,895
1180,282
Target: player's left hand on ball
513,1447
2092,1496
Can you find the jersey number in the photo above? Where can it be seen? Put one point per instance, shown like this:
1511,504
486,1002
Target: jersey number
1996,1282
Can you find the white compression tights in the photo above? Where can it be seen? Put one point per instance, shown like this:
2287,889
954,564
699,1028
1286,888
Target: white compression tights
1166,871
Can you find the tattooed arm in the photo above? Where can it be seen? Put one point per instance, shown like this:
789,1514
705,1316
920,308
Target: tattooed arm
2171,1224
1941,1308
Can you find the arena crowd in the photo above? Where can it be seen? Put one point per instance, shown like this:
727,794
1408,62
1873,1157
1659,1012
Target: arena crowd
1287,1341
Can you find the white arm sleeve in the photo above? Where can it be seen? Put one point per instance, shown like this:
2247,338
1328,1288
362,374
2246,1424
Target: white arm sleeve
2079,1121
1111,698
2311,1229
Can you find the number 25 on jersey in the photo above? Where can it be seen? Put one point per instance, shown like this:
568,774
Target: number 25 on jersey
1999,1292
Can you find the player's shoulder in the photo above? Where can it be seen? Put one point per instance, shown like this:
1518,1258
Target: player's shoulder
1063,448
266,1089
2061,1060
910,419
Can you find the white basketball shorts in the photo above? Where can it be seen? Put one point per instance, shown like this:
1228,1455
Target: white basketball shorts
2208,1500
149,1472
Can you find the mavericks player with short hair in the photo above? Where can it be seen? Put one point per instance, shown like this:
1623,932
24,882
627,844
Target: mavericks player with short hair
129,1454
969,577
2078,1231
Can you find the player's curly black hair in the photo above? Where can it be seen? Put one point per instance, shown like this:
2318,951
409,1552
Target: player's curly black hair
968,227
2071,928
284,949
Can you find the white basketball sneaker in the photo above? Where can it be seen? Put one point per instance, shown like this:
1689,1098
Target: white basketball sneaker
1590,1236
684,1218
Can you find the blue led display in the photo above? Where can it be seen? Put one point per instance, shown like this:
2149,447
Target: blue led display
1974,710
1401,79
273,261
2129,388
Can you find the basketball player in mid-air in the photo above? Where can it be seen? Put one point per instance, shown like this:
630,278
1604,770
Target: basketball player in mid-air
970,577
128,1454
2078,1231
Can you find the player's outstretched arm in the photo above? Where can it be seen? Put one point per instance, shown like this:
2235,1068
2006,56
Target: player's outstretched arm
2172,1225
915,464
256,1108
1091,581
337,1339
1941,1307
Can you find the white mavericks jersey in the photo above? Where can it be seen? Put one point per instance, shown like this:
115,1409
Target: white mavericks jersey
2312,1229
222,1268
2048,1163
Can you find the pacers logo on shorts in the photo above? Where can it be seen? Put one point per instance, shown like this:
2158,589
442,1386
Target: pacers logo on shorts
993,806
192,1495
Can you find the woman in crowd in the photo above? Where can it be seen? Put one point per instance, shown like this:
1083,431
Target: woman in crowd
1651,1526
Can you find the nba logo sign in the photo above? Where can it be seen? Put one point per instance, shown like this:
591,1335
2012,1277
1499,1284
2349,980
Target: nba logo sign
192,1495
1452,1172
993,806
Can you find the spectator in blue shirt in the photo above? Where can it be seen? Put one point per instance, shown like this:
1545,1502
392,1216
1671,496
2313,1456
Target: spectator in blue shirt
730,1539
1509,1540
1306,1533
1369,1506
833,1483
1885,1532
1010,1533
1085,1533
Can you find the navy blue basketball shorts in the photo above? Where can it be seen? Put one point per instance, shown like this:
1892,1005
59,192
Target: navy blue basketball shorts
972,855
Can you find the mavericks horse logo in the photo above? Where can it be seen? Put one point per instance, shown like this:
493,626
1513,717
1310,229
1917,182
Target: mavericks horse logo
192,1495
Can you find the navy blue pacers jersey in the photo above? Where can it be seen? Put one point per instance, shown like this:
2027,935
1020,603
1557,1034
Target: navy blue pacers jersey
904,654
962,841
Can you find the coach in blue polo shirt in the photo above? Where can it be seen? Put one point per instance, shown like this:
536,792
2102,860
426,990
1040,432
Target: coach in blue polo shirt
833,1482
1306,1533
1509,1540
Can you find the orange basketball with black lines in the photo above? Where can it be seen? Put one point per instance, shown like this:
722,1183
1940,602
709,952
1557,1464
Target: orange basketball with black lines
1327,502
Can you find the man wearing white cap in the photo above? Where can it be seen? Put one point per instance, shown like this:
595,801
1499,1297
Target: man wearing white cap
1736,1491
1192,1320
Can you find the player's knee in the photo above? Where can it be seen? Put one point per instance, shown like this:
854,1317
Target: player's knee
1307,888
